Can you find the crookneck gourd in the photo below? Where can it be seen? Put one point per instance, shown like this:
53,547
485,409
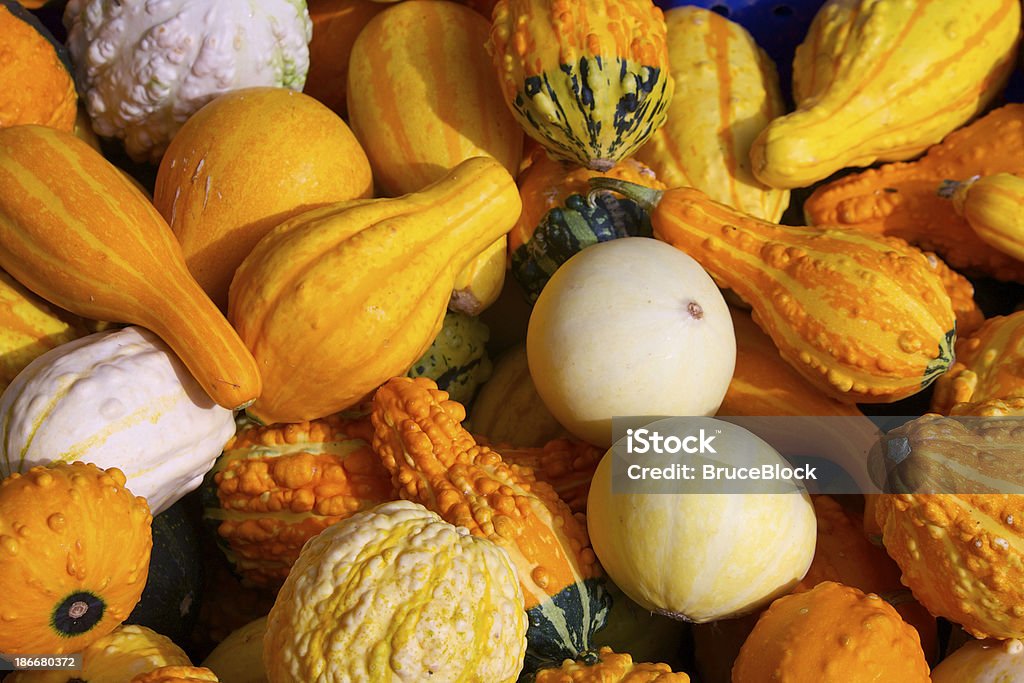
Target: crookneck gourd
881,80
993,206
726,92
588,80
337,300
436,462
864,318
74,556
901,199
93,244
566,464
275,487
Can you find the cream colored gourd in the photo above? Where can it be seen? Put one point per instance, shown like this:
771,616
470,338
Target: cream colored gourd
882,80
120,399
397,594
983,661
702,556
662,345
726,92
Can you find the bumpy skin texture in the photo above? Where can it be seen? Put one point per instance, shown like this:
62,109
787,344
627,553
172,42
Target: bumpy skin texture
276,487
587,79
397,594
74,556
145,67
177,674
983,661
726,92
610,667
872,83
901,199
831,634
988,367
566,464
36,85
117,399
457,359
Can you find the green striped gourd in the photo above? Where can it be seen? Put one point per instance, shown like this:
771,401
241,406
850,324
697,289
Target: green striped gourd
457,359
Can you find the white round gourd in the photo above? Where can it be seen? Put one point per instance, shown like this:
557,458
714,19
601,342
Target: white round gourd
118,398
983,661
629,327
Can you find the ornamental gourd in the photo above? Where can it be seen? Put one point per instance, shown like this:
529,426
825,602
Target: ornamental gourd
239,657
872,82
606,666
457,359
397,594
993,206
983,661
369,281
121,399
567,465
86,564
866,319
726,92
437,463
177,674
590,81
900,199
94,245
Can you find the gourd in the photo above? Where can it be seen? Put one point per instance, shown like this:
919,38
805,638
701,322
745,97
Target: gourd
227,178
646,636
872,83
336,23
766,540
668,324
457,358
983,661
900,199
567,465
864,318
115,658
379,271
987,367
275,487
960,553
86,564
396,593
478,285
177,674
764,384
726,92
101,250
239,657
832,634
993,206
590,81
606,666
437,463
507,408
960,290
121,399
29,327
36,84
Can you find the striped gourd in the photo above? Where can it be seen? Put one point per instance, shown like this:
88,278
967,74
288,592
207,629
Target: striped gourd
881,80
76,232
865,318
587,79
29,327
993,206
727,91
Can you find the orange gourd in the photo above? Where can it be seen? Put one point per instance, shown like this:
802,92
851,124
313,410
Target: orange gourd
177,674
605,666
566,464
77,233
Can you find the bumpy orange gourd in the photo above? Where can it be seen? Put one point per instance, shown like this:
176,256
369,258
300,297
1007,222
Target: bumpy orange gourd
337,300
864,318
993,206
36,85
606,666
566,464
831,634
77,233
177,674
988,366
243,164
74,556
437,463
276,487
901,200
336,23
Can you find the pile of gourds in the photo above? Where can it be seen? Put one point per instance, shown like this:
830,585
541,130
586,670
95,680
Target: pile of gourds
314,320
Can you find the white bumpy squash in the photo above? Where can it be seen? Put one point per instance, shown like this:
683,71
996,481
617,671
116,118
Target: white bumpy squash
119,398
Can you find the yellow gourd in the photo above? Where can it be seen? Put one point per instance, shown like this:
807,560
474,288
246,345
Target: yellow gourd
994,208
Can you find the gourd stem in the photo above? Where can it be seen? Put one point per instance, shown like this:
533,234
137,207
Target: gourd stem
956,190
646,197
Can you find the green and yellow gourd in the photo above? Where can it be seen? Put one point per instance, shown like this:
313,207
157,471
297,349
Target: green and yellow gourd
457,359
588,79
881,80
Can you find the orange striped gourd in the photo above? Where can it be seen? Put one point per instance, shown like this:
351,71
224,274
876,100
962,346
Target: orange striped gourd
726,92
882,80
76,232
865,318
993,206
